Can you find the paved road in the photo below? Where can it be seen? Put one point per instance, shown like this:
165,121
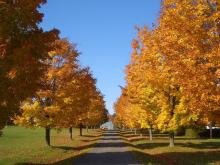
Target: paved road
110,150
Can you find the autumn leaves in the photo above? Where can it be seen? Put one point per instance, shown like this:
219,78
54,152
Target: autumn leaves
173,77
69,97
40,74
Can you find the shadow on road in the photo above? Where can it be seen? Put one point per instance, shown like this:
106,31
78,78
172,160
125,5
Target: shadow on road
75,148
179,158
101,159
123,157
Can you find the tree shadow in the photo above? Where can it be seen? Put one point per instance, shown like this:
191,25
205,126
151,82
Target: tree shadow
90,140
130,135
203,145
89,136
100,155
109,134
137,157
150,145
136,139
96,145
186,138
162,143
67,148
111,138
113,158
104,158
190,158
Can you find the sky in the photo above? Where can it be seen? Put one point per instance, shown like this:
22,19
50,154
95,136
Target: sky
103,31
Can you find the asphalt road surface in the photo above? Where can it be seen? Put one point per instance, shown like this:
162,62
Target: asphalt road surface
110,150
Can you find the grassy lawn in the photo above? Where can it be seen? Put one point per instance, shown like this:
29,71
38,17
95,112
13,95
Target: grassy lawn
187,151
25,146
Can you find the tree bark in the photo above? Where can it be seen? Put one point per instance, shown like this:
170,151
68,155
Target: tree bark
47,135
71,132
123,128
172,104
87,129
135,131
150,134
80,129
210,130
171,135
141,132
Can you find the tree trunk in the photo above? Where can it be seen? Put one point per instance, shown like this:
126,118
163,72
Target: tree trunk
6,124
141,133
135,131
87,129
171,139
80,129
71,132
172,105
210,130
47,135
150,134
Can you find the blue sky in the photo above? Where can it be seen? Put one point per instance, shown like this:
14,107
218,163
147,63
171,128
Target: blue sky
103,31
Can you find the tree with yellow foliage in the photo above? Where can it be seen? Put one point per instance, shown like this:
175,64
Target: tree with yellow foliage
139,91
128,114
43,108
188,38
178,62
68,97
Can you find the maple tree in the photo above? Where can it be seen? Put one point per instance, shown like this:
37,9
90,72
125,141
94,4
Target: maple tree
81,102
127,115
68,97
192,51
174,71
43,108
139,90
24,48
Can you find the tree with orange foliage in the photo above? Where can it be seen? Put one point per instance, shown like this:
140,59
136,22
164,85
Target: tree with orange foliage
139,91
24,48
192,52
43,109
178,61
68,97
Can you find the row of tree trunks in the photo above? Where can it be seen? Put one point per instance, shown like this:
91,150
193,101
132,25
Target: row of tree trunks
171,135
48,130
150,133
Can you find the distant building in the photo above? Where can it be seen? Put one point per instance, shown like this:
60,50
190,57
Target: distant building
107,125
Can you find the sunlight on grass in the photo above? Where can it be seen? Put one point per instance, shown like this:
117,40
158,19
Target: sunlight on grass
19,145
187,151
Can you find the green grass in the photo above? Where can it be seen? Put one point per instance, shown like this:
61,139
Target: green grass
20,145
187,151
